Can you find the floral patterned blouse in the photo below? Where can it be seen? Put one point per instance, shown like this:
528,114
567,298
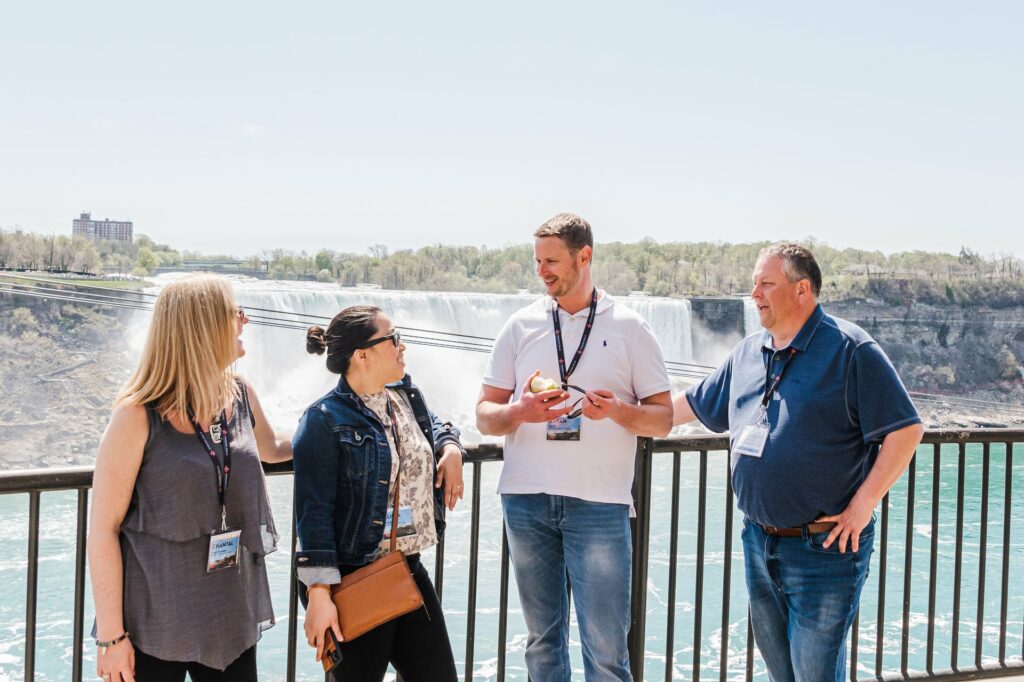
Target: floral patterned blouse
417,462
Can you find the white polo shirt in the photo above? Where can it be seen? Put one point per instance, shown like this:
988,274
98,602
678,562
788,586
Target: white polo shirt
622,356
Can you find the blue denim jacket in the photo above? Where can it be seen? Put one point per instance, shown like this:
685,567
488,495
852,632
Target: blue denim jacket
342,463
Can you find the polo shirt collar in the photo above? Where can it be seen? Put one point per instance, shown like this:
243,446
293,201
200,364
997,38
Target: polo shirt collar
604,302
803,337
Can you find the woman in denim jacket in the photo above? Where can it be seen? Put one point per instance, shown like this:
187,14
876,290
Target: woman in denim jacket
345,474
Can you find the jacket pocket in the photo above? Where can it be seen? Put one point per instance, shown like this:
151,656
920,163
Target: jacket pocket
357,447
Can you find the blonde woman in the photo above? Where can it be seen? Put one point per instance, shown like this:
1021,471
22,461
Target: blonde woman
180,520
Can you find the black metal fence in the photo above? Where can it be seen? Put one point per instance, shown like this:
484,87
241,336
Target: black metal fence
960,485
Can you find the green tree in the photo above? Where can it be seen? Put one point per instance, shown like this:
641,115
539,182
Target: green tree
146,260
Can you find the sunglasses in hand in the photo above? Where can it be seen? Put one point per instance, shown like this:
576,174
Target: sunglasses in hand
574,412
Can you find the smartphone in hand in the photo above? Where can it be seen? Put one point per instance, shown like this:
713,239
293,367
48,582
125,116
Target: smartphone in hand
332,652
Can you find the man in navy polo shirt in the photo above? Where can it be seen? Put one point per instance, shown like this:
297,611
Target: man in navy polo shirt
820,429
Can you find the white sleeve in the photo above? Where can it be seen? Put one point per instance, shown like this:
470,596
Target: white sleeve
501,370
648,364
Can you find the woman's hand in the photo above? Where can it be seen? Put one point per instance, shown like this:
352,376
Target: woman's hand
320,615
116,663
449,474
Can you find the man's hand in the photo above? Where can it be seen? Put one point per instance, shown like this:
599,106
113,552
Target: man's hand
601,404
893,457
449,474
535,408
849,524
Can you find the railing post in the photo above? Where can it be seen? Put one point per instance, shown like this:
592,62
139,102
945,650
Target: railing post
32,585
79,608
640,529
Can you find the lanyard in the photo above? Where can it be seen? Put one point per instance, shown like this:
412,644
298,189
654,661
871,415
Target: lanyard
223,471
769,391
562,371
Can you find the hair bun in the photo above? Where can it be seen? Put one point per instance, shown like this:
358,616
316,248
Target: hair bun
316,340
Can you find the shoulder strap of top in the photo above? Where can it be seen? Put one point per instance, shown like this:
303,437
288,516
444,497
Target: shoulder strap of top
245,402
155,423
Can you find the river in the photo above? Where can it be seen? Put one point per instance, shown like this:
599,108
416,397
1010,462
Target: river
287,379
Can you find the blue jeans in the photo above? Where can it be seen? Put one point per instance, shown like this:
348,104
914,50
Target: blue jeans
803,599
550,536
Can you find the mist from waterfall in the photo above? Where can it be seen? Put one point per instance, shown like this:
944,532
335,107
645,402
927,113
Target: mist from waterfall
287,378
751,320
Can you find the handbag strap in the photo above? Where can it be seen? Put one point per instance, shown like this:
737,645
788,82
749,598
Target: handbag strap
398,478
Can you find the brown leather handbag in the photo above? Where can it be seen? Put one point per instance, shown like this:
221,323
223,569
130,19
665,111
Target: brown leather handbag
382,590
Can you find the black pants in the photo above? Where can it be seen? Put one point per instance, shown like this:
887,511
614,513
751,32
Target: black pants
416,645
151,669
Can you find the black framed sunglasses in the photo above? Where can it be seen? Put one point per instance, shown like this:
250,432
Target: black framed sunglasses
575,412
394,337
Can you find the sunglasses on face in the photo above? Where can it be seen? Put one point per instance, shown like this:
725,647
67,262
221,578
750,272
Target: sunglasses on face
394,337
240,312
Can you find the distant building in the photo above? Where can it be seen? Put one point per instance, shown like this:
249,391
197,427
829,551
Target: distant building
85,226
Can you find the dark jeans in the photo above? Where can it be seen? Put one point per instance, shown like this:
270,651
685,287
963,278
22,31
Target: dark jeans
416,645
151,669
803,598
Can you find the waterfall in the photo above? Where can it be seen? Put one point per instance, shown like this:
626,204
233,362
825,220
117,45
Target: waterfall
751,320
287,379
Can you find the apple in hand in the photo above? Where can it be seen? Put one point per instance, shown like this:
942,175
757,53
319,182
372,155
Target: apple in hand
540,384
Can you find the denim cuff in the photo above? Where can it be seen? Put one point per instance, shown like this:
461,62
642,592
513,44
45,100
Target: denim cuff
316,558
319,575
447,438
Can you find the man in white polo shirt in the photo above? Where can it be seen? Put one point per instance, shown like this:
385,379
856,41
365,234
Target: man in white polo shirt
569,452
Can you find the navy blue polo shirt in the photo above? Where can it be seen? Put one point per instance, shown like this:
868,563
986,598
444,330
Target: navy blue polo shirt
839,396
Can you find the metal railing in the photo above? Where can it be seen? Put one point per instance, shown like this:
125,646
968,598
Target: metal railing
708,455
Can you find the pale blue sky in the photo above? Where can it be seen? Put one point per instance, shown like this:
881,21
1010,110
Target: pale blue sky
234,127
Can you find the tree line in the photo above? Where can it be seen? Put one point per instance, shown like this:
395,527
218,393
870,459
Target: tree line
63,254
657,269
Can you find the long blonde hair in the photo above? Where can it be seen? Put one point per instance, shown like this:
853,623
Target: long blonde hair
189,351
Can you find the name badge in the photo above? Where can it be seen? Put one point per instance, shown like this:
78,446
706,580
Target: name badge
223,552
751,440
565,428
406,527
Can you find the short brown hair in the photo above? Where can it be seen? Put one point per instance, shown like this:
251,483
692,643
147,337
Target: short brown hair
570,228
797,262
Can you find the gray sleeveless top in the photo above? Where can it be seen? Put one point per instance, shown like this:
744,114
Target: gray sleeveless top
173,608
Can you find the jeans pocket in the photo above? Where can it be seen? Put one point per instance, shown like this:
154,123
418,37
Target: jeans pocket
816,541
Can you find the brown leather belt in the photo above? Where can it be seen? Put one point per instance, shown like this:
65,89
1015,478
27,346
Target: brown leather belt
799,531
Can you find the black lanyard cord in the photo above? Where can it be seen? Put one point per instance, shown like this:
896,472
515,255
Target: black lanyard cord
769,391
564,373
223,471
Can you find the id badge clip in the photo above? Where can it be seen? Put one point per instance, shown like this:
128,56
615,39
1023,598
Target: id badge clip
753,437
224,546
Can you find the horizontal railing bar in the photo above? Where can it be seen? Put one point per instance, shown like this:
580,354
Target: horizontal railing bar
42,480
66,478
988,672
